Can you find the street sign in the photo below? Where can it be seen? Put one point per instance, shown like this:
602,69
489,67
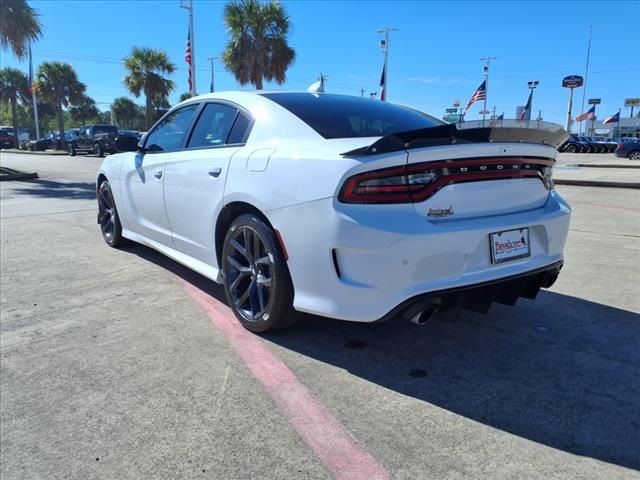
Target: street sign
572,81
631,102
456,103
452,118
484,112
452,110
594,101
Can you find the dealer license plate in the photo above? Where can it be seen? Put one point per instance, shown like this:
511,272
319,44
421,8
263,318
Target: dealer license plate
509,245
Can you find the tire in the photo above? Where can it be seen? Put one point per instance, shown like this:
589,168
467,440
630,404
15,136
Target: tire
256,279
98,150
108,217
71,150
570,149
635,155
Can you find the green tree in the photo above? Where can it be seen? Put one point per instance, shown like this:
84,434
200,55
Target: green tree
126,112
58,84
13,87
146,74
184,96
258,48
84,111
19,26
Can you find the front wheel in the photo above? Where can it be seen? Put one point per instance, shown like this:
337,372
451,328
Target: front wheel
256,278
72,151
108,218
570,149
635,155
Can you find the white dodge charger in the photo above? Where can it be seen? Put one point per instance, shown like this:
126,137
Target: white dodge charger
341,206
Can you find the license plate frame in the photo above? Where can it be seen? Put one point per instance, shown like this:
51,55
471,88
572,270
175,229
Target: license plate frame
506,254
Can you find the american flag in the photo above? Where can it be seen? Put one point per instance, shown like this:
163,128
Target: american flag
526,112
480,94
383,84
588,115
187,57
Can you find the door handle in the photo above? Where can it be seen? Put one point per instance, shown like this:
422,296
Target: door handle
158,174
215,172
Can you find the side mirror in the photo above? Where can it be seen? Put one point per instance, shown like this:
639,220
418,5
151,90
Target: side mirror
126,144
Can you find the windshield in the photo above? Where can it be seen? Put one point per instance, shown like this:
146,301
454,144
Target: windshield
104,129
342,116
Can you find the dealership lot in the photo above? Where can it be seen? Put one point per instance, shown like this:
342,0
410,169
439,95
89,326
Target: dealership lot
110,369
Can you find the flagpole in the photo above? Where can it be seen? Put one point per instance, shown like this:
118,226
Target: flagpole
586,75
33,95
386,31
486,84
188,5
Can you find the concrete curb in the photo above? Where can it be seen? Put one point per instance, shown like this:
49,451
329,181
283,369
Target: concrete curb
597,183
600,165
29,152
18,176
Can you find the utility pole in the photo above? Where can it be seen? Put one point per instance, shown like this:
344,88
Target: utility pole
362,90
211,88
188,5
35,100
493,115
586,76
384,45
485,71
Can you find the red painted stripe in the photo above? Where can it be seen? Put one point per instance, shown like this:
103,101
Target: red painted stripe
329,440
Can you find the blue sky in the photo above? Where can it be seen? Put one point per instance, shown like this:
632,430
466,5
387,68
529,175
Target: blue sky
434,56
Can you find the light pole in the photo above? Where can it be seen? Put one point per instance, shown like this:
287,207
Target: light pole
384,45
485,72
532,86
212,89
188,5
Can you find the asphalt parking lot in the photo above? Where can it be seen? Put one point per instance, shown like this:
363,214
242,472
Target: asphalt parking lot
110,367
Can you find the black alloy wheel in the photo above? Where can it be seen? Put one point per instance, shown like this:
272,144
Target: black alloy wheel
108,218
71,150
256,278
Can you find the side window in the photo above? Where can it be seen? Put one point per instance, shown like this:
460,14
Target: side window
169,133
239,130
212,128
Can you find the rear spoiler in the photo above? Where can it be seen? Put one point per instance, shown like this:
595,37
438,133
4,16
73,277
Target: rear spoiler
489,131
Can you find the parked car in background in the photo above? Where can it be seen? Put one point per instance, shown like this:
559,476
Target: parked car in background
574,145
129,133
39,145
629,149
7,137
96,139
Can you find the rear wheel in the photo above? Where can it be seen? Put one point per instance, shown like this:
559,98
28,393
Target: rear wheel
570,149
108,218
256,278
98,150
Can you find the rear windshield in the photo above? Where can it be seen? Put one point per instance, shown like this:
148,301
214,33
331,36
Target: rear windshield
341,116
104,129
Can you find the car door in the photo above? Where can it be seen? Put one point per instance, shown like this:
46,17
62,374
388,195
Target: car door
143,179
195,179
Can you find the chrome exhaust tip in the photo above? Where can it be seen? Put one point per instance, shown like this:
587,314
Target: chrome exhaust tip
423,316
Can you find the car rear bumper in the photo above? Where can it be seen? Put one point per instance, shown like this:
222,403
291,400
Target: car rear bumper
362,262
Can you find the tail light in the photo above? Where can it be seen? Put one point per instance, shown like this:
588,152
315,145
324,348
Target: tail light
417,182
620,146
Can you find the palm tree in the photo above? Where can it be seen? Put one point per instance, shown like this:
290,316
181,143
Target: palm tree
19,26
258,46
85,110
125,111
58,84
147,68
13,87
